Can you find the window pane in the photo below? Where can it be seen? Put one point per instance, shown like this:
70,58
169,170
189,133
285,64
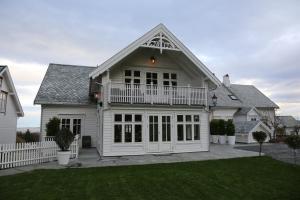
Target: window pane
148,75
166,83
76,126
180,132
173,76
166,75
138,118
136,81
138,133
128,118
154,75
151,132
164,132
188,118
118,117
196,132
156,132
118,133
180,118
154,82
127,80
148,81
174,83
128,133
196,118
137,73
127,72
188,132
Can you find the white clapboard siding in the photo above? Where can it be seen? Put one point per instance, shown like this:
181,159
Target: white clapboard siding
21,154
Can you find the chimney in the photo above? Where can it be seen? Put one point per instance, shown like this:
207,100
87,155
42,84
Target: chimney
226,80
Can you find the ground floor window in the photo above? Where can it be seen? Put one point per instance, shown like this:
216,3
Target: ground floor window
127,128
73,124
188,127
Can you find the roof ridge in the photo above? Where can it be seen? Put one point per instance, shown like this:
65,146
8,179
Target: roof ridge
70,65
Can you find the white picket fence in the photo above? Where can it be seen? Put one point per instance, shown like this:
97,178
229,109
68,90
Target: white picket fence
21,154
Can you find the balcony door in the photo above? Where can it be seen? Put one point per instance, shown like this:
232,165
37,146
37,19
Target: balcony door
159,130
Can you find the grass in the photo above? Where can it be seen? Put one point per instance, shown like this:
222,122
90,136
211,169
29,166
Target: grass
243,178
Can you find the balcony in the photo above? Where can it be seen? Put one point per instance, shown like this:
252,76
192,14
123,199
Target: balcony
154,94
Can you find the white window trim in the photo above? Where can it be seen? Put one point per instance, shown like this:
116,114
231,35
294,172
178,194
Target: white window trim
184,123
72,117
123,123
3,102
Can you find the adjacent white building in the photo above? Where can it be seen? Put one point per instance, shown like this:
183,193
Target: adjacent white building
10,107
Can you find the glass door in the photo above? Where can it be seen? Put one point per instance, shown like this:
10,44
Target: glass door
153,133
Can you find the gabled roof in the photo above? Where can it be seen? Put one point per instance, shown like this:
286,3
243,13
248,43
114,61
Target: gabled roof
246,110
4,71
2,68
252,97
287,121
65,84
250,126
144,41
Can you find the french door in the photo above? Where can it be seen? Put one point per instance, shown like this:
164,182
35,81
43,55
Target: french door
159,130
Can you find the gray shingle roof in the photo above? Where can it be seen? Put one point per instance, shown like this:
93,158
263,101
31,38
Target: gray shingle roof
243,111
245,126
65,84
223,98
248,96
288,121
251,96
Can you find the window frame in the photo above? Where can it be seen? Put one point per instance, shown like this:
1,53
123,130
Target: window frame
3,101
71,123
188,123
133,79
125,124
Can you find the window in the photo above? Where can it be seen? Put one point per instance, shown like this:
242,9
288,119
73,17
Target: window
66,123
170,79
188,127
151,77
127,128
3,101
132,76
1,79
253,119
77,126
233,97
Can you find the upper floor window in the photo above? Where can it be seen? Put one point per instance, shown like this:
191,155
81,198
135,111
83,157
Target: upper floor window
1,79
151,77
3,101
170,79
133,76
253,119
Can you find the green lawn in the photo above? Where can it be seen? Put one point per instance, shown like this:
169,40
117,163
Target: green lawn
244,178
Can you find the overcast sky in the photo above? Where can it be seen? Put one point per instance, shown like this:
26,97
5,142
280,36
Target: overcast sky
257,42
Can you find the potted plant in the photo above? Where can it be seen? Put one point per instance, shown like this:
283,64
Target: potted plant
221,130
64,139
214,131
230,131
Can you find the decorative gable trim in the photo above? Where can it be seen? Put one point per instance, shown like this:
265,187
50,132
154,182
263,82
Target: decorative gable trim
159,37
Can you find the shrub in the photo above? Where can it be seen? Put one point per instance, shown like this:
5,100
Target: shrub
52,127
293,141
230,129
260,137
27,137
64,139
213,127
221,127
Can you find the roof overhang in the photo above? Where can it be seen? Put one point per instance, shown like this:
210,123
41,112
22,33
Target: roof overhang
158,38
5,73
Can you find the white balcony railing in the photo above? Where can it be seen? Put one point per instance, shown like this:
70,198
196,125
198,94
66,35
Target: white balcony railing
153,94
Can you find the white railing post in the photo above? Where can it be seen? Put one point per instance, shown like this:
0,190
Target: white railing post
171,94
189,94
151,92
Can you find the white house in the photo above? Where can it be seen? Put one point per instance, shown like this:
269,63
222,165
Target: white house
248,107
288,123
151,97
10,107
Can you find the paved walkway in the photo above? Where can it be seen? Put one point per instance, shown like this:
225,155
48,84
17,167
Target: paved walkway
90,158
277,151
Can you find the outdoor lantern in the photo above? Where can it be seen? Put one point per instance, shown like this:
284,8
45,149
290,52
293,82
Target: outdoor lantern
152,59
214,99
